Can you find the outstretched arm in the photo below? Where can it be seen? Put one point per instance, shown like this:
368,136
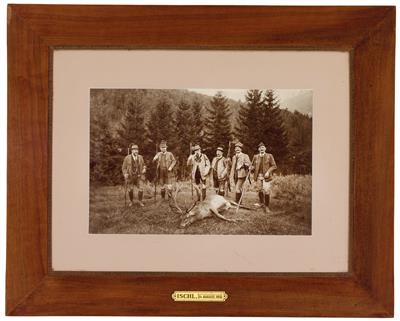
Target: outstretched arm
156,157
189,160
125,167
143,164
232,168
207,166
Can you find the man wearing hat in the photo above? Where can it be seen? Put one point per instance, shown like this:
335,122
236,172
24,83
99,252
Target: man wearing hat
264,165
165,165
200,169
219,169
133,169
240,168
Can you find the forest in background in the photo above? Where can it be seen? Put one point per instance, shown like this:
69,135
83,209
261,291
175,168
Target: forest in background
119,117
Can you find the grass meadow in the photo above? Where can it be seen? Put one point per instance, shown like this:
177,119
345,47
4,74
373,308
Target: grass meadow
290,211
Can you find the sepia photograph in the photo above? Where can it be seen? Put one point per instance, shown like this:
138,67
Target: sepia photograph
201,161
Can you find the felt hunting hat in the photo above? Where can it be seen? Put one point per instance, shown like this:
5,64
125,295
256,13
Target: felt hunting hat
239,144
195,147
133,146
220,148
261,144
163,143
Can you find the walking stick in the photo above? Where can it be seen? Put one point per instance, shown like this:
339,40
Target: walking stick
228,183
125,186
156,179
191,178
126,182
247,177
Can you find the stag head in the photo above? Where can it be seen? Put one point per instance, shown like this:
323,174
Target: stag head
187,214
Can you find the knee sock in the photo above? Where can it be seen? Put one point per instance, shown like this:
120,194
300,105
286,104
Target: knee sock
266,201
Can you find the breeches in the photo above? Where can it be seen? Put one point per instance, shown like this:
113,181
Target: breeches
135,182
165,179
198,180
239,184
262,185
219,184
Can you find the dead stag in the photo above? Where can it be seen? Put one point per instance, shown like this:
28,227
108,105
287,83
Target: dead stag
199,210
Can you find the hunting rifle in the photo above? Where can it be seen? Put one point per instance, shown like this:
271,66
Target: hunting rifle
247,178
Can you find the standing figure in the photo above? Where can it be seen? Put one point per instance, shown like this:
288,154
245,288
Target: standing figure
220,171
240,168
264,165
133,169
165,165
200,169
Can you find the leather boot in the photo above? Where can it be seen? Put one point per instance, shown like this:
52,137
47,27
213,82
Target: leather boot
266,200
140,197
130,197
169,194
163,193
261,197
237,197
203,194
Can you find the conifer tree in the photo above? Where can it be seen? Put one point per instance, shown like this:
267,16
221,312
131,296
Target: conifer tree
160,126
217,125
197,123
299,128
248,124
105,159
184,135
132,128
260,120
271,128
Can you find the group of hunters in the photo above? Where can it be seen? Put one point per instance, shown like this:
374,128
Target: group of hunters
220,171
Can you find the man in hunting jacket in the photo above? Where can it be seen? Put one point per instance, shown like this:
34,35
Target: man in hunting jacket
240,168
200,169
165,169
133,169
220,171
264,165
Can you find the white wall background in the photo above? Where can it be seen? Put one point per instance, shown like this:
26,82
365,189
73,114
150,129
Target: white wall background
3,110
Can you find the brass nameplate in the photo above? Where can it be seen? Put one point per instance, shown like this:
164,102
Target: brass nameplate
199,296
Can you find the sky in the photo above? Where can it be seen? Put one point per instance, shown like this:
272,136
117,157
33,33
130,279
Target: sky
239,94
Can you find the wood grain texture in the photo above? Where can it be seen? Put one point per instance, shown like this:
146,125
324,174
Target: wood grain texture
367,32
373,144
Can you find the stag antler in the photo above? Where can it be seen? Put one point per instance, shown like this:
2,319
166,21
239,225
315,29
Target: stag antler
174,206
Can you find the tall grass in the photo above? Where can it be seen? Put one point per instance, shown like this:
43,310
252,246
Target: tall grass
290,205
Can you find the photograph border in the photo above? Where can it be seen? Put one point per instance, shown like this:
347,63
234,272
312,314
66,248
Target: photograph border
153,203
368,33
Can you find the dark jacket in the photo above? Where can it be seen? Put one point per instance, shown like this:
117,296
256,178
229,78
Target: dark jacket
268,164
169,159
138,169
203,163
240,165
221,171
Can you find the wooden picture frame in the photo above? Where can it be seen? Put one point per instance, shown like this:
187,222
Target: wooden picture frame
368,33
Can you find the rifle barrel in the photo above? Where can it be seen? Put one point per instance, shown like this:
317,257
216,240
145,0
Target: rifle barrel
243,190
